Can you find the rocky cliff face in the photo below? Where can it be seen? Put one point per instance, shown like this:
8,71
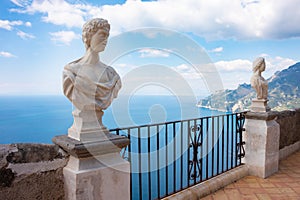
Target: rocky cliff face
31,171
284,93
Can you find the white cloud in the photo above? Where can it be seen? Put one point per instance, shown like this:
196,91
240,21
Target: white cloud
147,52
214,19
278,63
210,19
234,65
58,12
28,24
217,50
64,37
188,72
25,36
6,54
8,25
235,72
21,3
182,67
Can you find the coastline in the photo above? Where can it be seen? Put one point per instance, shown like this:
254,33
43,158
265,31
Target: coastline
210,108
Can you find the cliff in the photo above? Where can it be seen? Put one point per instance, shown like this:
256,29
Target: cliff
31,171
284,93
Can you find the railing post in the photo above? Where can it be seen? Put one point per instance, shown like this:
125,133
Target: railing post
95,169
262,143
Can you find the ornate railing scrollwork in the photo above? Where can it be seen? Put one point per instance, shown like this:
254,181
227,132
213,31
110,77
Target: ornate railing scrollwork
240,121
195,164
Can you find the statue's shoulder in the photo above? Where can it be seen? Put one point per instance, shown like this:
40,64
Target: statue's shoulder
111,70
72,67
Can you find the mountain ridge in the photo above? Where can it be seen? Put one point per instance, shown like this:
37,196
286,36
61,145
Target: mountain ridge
283,93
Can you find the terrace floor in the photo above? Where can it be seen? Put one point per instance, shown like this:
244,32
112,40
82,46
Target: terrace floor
285,184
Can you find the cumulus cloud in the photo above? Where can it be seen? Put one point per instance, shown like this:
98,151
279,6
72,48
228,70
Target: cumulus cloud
58,12
273,64
64,37
21,3
28,24
235,72
234,66
215,19
9,25
217,50
188,72
24,35
6,54
277,63
147,52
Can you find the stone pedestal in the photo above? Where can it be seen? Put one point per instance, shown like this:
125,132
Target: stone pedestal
262,143
95,170
260,105
87,125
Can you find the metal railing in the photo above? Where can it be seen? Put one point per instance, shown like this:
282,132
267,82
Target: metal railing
169,157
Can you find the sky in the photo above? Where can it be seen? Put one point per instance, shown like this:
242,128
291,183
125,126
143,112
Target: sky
39,37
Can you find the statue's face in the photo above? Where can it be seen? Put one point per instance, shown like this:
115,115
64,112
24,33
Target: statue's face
98,41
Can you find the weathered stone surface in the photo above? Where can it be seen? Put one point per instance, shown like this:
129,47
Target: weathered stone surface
260,105
46,185
288,150
95,169
289,122
4,150
26,153
262,115
89,179
207,187
6,177
31,171
110,143
262,145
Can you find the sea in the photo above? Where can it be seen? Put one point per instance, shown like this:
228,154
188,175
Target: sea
37,119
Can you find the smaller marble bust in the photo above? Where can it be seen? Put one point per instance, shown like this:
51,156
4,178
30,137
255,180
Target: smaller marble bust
89,84
258,82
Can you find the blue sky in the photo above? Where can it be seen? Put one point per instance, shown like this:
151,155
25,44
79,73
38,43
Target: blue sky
39,37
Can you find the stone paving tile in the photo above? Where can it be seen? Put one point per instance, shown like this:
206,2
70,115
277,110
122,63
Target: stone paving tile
283,185
263,196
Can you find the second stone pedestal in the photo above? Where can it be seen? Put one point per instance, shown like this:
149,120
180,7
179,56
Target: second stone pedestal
262,143
95,170
260,105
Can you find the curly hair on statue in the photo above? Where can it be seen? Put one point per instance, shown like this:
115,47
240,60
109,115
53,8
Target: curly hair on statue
91,27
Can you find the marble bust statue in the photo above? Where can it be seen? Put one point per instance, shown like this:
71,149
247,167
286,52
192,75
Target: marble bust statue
259,84
89,84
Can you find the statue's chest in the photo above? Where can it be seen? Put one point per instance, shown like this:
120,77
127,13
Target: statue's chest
96,74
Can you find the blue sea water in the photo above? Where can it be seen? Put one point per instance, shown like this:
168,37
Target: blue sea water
38,119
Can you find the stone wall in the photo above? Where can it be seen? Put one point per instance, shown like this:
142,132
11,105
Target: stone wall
289,122
31,171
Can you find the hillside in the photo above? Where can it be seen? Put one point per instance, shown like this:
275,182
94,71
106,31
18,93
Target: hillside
284,93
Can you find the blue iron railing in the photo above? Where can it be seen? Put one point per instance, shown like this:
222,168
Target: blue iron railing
169,157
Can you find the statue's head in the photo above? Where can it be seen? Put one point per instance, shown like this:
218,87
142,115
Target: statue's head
259,64
90,28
